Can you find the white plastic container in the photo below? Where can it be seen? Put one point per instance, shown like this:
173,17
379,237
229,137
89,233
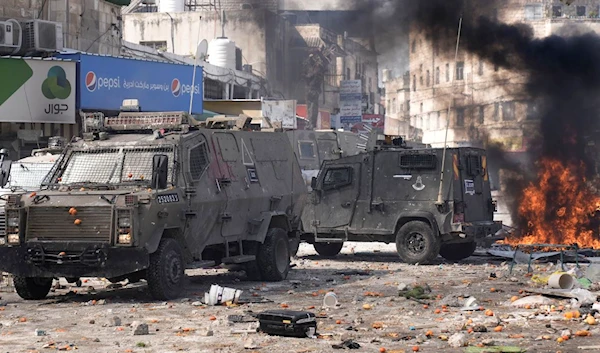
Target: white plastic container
221,52
330,300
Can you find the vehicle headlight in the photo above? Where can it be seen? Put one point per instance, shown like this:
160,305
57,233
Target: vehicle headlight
124,222
14,239
124,238
12,221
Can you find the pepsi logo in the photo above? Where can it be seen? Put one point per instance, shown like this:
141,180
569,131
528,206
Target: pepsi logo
176,87
90,81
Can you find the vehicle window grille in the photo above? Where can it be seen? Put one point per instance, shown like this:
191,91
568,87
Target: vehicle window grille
418,161
337,177
198,161
113,165
474,166
28,176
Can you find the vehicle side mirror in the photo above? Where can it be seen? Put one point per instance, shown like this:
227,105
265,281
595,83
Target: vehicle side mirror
160,171
5,166
313,183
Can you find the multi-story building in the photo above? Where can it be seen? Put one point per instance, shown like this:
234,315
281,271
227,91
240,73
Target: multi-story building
274,37
475,99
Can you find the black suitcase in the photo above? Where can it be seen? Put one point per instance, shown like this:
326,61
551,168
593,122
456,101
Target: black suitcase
288,323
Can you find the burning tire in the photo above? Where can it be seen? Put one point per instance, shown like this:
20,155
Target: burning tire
328,249
166,270
273,258
417,243
457,252
32,288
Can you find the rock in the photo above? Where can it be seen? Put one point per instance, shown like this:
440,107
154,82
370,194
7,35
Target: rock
249,344
140,329
198,303
96,340
457,340
451,301
115,321
101,302
532,300
479,328
92,322
39,332
488,342
513,279
566,333
402,286
421,338
206,333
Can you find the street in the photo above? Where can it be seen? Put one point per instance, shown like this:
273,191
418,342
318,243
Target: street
366,279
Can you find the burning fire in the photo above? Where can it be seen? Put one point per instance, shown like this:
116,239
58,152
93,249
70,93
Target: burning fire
559,208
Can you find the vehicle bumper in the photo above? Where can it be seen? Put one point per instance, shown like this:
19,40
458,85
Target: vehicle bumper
484,233
71,260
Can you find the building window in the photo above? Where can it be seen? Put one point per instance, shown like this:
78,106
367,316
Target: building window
439,120
534,12
348,74
460,70
421,68
421,107
160,45
428,79
394,105
370,84
437,75
447,72
436,48
420,122
496,67
480,71
414,83
557,11
401,107
414,46
421,80
496,111
581,11
508,111
460,117
481,114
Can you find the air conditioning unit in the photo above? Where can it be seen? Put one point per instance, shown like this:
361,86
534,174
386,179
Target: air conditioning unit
39,35
10,36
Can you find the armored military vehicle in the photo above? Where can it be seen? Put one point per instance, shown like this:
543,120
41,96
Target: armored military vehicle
146,195
392,195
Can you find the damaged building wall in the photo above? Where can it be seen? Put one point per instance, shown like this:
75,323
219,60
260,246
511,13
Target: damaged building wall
258,33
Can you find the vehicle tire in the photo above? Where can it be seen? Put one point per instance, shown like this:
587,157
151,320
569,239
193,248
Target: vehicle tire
32,288
457,252
251,268
273,257
417,243
294,245
166,270
328,249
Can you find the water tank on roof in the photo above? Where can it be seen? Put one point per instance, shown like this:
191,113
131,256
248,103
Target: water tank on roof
171,5
221,52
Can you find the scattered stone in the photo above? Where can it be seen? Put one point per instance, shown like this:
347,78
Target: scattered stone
101,302
96,340
92,322
249,344
115,321
206,333
39,332
402,286
197,303
451,301
488,342
457,340
140,329
479,328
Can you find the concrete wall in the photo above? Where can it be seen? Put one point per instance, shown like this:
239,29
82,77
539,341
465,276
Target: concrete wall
87,27
257,32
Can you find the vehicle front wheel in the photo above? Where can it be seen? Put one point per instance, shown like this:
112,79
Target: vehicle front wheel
273,258
417,243
166,270
457,252
32,288
328,249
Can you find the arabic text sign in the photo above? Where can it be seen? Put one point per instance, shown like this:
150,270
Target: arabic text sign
350,101
283,111
104,82
37,91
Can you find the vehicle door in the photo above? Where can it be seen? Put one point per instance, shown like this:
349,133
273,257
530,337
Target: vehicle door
336,195
475,185
232,183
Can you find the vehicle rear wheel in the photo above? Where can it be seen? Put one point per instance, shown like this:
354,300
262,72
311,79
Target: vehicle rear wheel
166,270
273,258
417,243
457,252
32,288
328,249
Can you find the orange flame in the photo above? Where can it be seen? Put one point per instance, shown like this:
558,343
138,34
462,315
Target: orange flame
559,208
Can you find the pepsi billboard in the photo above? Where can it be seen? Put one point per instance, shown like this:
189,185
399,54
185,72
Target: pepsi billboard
105,81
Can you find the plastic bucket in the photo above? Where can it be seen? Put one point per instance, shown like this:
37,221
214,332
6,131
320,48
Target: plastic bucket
561,281
330,300
219,295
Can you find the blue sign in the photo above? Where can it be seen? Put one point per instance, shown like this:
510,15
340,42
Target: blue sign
105,81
